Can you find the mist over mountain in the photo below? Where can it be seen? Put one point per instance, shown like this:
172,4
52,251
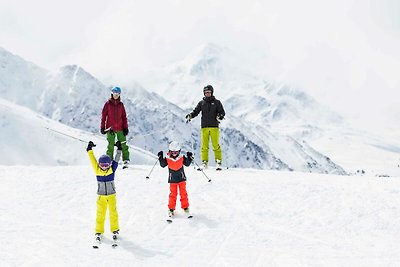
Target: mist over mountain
246,95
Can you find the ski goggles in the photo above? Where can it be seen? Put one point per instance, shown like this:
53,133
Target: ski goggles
174,153
115,93
104,165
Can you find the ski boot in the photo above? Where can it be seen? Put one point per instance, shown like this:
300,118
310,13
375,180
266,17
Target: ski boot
115,238
170,215
218,165
98,239
204,165
187,213
126,164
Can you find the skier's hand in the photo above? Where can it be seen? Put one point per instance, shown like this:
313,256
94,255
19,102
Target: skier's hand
102,131
220,117
90,146
118,145
188,118
189,155
160,154
126,131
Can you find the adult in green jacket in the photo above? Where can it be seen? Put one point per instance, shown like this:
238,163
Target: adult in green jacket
212,112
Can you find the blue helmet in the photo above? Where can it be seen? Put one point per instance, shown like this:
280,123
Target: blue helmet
104,161
116,89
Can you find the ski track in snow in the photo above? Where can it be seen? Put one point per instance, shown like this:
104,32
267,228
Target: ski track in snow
242,218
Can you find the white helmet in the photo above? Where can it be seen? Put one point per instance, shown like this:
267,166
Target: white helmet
174,146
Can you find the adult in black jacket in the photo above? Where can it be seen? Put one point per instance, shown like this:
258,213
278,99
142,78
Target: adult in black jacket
212,112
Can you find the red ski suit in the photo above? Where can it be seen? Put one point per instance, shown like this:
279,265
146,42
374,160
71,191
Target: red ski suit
176,179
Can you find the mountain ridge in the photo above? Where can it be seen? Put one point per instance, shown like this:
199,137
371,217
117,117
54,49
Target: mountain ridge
74,97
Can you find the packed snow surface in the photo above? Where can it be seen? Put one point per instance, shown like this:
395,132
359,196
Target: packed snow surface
244,217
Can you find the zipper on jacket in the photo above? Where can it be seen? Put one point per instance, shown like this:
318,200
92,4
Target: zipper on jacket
116,112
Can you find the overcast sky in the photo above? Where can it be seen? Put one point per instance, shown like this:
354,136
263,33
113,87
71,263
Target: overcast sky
341,51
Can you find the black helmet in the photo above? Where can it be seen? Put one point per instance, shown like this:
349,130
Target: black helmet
208,88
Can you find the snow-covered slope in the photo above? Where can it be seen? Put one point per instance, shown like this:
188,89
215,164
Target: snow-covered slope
359,151
31,139
244,217
272,150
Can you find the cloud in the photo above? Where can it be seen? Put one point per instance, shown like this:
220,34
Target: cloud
336,50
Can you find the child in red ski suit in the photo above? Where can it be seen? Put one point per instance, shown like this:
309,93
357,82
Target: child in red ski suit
177,177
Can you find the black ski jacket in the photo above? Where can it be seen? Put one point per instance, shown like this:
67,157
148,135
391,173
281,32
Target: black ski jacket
210,108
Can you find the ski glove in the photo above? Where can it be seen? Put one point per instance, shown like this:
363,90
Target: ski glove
220,117
118,145
102,130
189,155
126,131
160,154
90,146
188,118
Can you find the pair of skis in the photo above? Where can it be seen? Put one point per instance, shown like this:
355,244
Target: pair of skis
99,240
201,169
171,216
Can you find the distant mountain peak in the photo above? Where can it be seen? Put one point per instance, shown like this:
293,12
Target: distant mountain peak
206,60
208,50
70,70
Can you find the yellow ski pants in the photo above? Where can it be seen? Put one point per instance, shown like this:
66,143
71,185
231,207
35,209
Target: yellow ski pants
102,203
206,135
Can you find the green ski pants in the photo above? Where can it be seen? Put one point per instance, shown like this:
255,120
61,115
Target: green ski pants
111,141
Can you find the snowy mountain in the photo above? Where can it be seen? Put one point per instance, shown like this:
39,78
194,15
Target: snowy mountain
74,97
246,95
281,109
32,139
21,82
244,217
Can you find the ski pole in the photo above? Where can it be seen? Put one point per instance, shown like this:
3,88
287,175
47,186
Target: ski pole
73,137
205,175
148,176
149,133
